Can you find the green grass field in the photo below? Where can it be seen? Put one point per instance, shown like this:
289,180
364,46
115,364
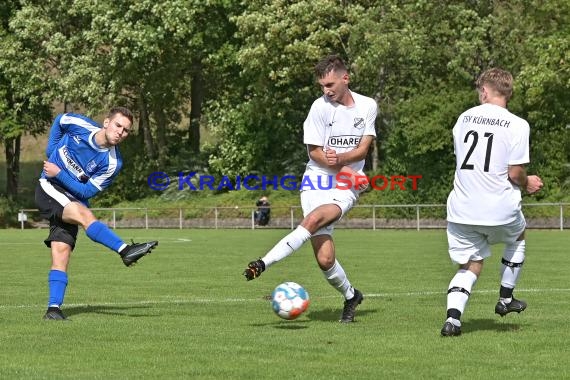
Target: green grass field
185,311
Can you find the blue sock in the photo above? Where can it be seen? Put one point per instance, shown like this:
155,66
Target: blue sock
57,281
100,233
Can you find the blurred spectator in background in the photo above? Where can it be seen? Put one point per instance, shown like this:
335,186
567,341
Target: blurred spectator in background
263,213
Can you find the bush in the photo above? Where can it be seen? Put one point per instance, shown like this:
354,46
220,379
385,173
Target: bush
8,212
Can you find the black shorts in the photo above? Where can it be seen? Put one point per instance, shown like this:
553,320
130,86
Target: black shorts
51,199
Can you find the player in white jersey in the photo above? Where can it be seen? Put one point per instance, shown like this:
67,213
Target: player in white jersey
484,208
82,160
338,132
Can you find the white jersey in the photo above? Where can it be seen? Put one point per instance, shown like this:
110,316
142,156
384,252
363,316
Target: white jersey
335,126
487,139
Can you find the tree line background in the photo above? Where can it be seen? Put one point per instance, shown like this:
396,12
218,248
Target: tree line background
241,71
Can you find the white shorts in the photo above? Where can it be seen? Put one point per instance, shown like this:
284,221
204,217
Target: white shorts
311,199
471,242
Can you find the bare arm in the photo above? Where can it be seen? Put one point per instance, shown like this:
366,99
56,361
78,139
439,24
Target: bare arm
531,183
330,159
339,162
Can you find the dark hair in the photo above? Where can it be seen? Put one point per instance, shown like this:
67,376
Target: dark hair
329,63
123,111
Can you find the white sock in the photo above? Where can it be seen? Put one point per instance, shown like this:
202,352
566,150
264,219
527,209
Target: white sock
337,278
286,246
460,289
514,254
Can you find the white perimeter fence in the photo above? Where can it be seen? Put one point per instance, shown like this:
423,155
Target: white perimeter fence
420,216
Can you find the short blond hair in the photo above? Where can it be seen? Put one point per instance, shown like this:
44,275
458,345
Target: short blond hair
497,79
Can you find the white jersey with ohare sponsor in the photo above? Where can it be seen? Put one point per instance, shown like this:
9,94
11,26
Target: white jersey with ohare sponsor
487,139
335,126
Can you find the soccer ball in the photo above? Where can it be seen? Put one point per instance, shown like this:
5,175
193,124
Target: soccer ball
289,300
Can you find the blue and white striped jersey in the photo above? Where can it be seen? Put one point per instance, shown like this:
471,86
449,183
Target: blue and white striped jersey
87,168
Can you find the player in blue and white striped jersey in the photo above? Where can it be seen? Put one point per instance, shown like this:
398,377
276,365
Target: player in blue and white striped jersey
88,167
82,160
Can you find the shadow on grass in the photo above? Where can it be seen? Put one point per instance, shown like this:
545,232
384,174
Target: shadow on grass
282,324
334,314
328,314
291,325
106,309
488,324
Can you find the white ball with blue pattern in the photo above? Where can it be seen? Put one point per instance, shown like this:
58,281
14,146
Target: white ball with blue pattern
289,300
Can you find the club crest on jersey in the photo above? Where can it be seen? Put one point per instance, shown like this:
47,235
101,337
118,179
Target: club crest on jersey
77,139
358,122
91,165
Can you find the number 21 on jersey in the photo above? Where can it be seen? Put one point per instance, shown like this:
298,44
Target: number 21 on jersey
474,137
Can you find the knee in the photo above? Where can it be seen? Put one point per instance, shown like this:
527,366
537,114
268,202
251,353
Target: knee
60,253
326,263
87,217
515,253
474,267
325,257
77,213
312,222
